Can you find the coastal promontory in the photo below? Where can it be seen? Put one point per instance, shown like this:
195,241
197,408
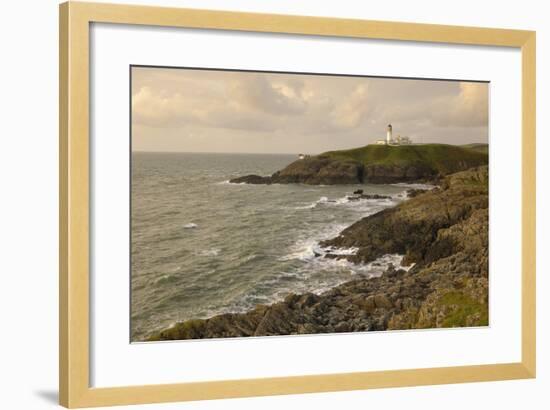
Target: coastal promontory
377,164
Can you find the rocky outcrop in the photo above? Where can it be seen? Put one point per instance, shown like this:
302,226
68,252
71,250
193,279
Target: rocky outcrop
413,227
324,170
317,170
411,193
251,179
444,232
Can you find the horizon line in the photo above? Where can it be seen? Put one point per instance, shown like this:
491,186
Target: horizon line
279,153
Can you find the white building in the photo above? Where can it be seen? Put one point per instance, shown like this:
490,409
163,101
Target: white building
393,141
403,140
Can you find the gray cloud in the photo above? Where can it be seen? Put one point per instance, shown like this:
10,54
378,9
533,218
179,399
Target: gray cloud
202,110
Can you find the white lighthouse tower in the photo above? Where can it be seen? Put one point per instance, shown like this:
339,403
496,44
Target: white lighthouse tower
389,138
390,141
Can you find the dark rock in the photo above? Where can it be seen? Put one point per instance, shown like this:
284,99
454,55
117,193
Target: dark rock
392,173
375,196
251,179
413,192
320,170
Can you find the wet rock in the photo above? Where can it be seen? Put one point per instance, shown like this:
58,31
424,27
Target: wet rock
375,196
251,179
413,192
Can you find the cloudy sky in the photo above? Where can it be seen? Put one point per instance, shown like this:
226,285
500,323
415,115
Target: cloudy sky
223,111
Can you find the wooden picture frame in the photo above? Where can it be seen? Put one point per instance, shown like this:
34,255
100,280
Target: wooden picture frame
75,19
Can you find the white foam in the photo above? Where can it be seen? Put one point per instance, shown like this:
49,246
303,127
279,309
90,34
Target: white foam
309,206
361,204
322,200
341,251
190,226
308,248
372,269
208,252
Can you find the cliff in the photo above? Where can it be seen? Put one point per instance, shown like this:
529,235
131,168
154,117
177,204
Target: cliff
376,164
444,232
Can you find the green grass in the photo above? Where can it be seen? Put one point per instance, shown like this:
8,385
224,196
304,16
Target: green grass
466,308
443,158
189,329
477,146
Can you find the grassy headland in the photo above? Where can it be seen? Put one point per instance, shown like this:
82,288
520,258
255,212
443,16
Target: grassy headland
442,158
378,164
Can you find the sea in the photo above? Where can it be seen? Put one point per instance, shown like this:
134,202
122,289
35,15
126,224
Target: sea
201,246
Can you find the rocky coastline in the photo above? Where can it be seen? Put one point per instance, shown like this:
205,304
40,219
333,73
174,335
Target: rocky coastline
442,233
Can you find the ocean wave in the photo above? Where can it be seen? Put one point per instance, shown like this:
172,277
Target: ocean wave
305,279
340,251
249,258
372,269
308,248
312,205
361,204
169,278
208,252
190,226
309,206
313,255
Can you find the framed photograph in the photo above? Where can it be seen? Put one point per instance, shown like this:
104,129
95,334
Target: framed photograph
260,204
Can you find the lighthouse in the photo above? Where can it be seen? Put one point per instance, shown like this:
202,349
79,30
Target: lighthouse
394,142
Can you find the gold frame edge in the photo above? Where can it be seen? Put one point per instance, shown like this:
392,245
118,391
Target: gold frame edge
74,349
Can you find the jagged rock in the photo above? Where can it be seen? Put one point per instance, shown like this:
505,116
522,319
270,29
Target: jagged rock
413,192
411,227
374,196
